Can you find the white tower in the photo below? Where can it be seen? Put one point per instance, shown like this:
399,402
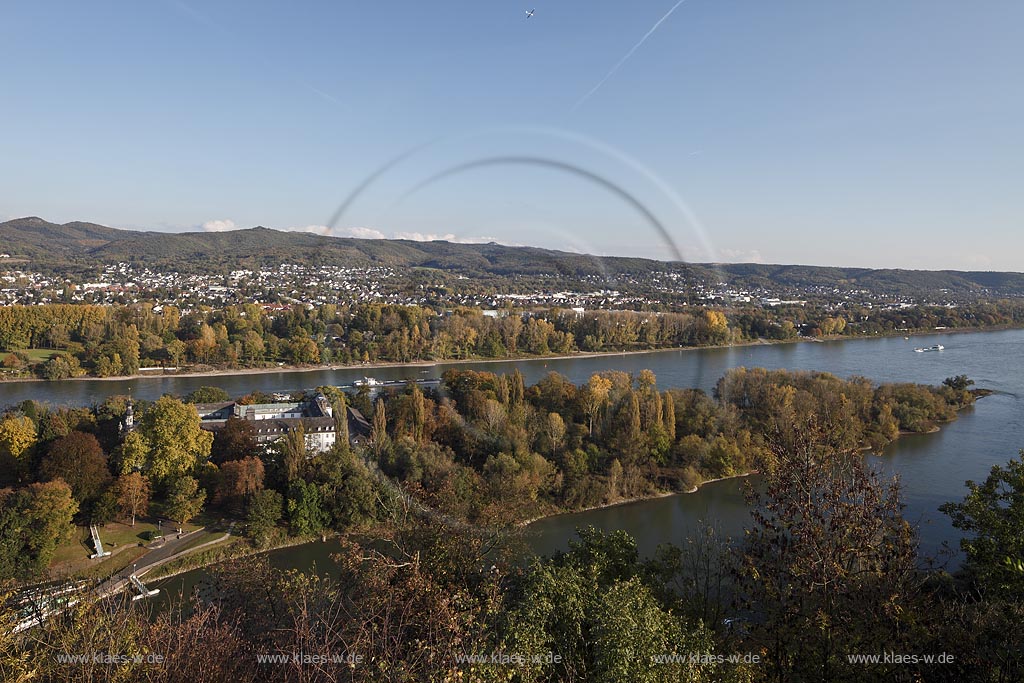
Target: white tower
129,418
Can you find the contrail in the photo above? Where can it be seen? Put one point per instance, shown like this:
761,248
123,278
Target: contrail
625,59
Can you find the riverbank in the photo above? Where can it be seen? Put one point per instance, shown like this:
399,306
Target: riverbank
744,475
241,550
582,355
630,501
932,467
979,393
378,365
197,562
193,561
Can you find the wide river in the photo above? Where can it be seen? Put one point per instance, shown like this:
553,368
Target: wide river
932,467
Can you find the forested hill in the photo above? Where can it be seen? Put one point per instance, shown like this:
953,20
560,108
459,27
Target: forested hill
82,246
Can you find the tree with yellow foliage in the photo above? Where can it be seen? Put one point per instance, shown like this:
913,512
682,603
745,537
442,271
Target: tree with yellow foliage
177,443
17,437
595,395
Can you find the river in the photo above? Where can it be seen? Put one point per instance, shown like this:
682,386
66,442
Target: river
933,467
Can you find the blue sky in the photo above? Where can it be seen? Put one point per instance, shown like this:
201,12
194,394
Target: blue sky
883,134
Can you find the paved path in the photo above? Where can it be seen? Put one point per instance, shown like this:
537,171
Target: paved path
157,556
172,548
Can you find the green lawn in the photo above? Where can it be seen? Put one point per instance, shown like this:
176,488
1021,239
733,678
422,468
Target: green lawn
39,355
112,564
122,540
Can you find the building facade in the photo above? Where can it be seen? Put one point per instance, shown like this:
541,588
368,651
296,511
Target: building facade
273,421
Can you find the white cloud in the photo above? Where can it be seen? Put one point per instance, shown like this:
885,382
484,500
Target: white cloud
357,232
484,240
741,255
219,225
360,233
424,237
318,229
447,237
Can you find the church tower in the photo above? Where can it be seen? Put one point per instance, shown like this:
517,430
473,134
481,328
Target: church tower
129,418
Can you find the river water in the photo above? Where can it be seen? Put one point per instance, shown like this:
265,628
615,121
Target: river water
933,467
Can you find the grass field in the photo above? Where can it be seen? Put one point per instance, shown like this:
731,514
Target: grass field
113,564
122,540
39,355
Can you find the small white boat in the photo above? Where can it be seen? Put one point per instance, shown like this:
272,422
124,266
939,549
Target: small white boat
367,382
937,347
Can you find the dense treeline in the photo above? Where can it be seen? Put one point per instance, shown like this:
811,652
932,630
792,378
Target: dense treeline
860,320
486,450
62,340
828,571
828,568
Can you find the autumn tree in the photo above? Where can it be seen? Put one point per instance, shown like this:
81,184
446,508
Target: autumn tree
669,415
419,412
132,491
828,565
34,521
234,441
627,434
177,443
80,461
184,500
302,350
293,453
379,435
340,410
176,350
17,437
717,326
554,431
238,481
615,476
594,396
132,454
62,366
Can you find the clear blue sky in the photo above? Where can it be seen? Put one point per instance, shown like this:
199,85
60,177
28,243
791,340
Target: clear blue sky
884,133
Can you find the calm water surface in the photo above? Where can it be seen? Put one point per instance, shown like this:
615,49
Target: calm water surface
933,467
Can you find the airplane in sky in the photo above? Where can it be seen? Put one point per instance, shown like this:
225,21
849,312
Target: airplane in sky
529,13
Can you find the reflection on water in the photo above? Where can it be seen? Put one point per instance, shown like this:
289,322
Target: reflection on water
671,519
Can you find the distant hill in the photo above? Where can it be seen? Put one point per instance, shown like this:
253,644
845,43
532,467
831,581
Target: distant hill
38,239
51,245
77,246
